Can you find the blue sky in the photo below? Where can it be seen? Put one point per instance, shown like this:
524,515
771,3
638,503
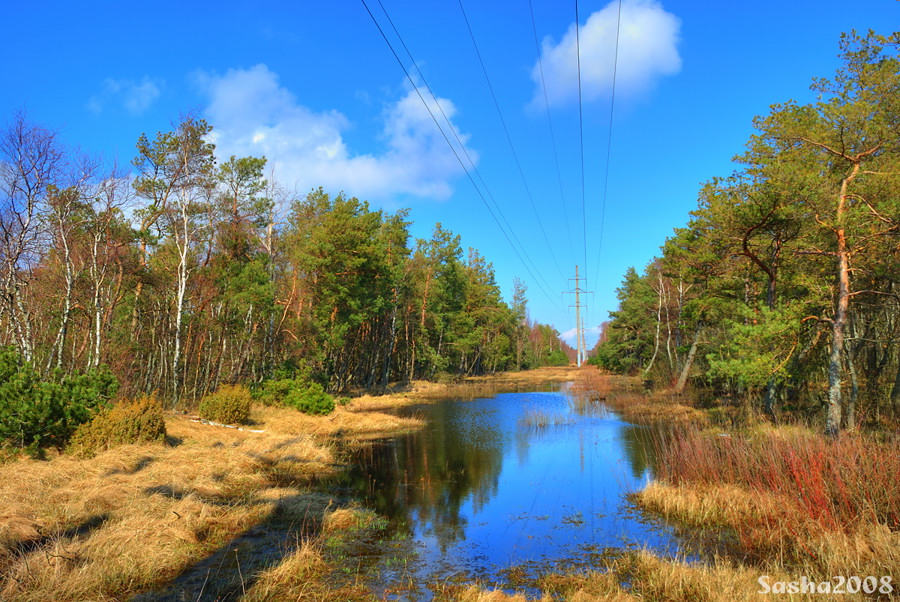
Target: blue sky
315,88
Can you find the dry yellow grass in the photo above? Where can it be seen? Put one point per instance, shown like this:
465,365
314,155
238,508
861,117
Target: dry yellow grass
476,594
708,506
486,386
364,418
297,577
348,519
655,408
305,574
771,530
530,378
654,578
115,538
134,517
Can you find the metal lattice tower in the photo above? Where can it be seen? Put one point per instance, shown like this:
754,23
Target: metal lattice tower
579,328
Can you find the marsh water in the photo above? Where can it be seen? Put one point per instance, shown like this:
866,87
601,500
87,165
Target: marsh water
503,488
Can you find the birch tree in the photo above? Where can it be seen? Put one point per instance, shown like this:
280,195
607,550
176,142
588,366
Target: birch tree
66,215
110,258
30,161
175,176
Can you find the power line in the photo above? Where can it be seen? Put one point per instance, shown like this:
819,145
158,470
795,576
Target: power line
509,138
612,105
581,133
455,153
562,196
515,239
462,146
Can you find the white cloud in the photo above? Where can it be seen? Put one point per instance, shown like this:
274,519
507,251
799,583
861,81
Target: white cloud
647,51
252,114
135,97
590,336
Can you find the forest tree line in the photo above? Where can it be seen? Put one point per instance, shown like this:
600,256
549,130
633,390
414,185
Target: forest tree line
181,273
784,287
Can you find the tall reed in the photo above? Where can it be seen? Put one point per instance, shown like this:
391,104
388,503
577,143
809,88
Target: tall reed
838,483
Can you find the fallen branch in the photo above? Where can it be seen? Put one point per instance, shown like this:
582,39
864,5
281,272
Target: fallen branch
228,426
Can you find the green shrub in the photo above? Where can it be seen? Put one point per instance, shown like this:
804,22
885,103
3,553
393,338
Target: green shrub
129,422
310,398
274,392
36,413
299,393
229,405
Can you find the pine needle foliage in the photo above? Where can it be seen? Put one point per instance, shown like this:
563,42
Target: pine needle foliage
300,393
36,413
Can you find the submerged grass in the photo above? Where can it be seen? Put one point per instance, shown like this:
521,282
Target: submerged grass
633,576
625,396
540,419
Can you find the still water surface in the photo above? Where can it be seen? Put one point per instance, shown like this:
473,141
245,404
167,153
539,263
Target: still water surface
480,490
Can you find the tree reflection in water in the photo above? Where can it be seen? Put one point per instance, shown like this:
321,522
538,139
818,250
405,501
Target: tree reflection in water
478,491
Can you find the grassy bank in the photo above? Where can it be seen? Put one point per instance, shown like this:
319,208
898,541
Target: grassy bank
486,386
197,513
791,499
139,517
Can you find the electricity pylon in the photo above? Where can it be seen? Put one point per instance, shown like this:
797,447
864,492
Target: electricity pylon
579,329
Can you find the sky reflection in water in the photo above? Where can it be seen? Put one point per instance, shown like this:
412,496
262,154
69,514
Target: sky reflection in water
479,491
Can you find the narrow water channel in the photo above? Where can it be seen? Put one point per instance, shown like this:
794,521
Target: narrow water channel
521,481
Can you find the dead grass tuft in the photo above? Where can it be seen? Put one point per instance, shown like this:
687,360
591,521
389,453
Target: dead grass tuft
297,577
350,519
476,594
701,505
